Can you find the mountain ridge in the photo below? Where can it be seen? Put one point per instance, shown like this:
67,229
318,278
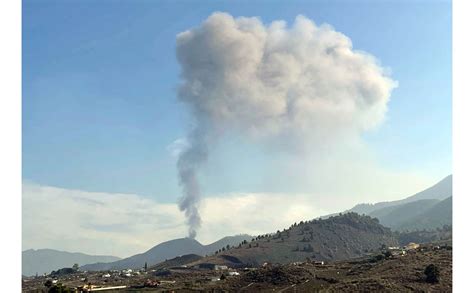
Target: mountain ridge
441,190
43,261
166,250
393,213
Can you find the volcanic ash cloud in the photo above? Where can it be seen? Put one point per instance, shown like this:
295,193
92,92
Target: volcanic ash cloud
303,85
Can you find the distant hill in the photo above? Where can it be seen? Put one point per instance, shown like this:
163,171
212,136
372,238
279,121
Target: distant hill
341,237
413,212
436,216
439,191
43,261
394,216
439,235
164,251
229,240
160,252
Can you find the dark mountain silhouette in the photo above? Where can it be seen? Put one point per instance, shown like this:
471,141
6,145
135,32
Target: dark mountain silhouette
164,251
43,261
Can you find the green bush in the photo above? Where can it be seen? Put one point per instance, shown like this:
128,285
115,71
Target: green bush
377,258
58,288
432,274
48,283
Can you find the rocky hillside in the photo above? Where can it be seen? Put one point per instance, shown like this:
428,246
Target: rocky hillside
340,237
177,261
392,274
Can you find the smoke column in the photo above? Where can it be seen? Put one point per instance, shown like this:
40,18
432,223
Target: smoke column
295,87
188,164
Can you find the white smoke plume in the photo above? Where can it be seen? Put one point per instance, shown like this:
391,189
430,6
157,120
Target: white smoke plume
300,85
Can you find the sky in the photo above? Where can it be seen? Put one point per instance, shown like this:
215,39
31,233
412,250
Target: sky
102,124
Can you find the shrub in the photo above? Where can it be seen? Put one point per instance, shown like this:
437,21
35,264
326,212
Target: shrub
58,288
377,258
387,254
432,274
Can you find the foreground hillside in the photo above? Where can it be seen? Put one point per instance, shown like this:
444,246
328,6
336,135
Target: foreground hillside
395,273
392,274
341,237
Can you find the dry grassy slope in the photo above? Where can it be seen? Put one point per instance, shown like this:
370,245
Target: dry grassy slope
177,261
337,238
396,274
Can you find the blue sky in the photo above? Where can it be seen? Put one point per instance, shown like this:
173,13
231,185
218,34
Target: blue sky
100,79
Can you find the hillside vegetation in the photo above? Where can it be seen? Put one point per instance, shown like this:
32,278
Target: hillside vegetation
436,216
341,237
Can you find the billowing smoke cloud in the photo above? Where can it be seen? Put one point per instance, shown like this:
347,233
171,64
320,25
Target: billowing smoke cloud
300,85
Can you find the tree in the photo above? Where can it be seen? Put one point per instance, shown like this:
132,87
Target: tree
228,246
146,266
59,288
75,266
387,254
48,283
432,274
377,258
